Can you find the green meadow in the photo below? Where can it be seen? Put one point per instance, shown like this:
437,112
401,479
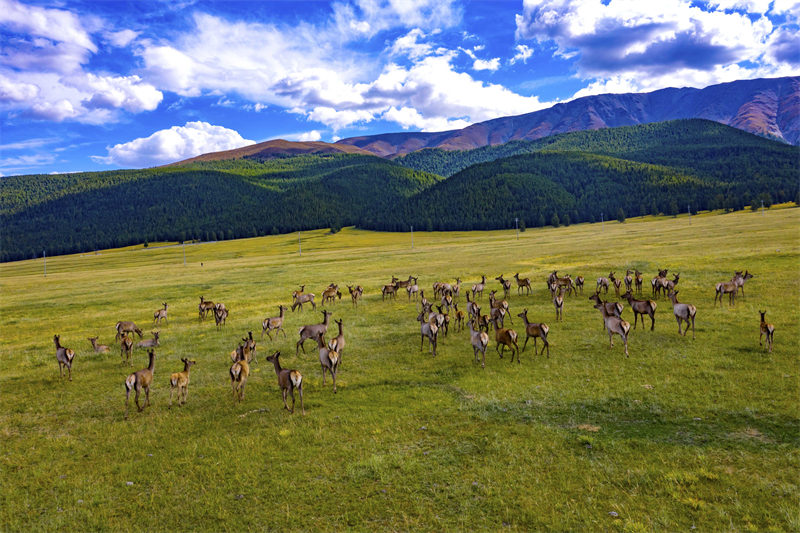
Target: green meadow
682,434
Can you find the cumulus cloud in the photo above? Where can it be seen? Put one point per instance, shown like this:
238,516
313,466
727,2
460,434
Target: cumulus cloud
524,52
16,91
410,46
121,38
173,144
486,64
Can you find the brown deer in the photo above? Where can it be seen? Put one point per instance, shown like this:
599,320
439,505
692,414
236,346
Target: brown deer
628,279
725,287
126,326
149,343
506,338
160,314
641,307
428,331
355,293
613,308
338,341
179,381
250,343
472,307
616,282
413,290
479,341
274,323
459,317
390,290
141,379
522,284
655,283
64,356
330,294
602,283
304,298
682,312
447,301
239,372
558,302
579,283
669,285
478,287
506,284
400,284
311,331
204,307
740,279
766,329
614,324
328,359
288,380
494,303
536,330
444,319
638,280
98,348
220,316
126,349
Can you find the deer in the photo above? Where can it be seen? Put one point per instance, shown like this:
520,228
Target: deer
295,294
579,283
602,283
328,359
250,343
554,279
64,356
506,284
537,330
614,324
179,381
413,290
311,331
126,349
447,301
479,341
766,329
390,290
669,285
740,279
500,304
453,290
641,307
149,343
274,323
98,348
725,287
558,302
304,298
616,282
239,372
655,283
355,293
478,287
338,341
204,307
613,308
638,280
472,308
505,338
241,352
139,380
444,318
428,331
220,316
522,284
288,380
126,326
423,301
459,316
682,312
330,294
400,284
160,314
628,280
484,321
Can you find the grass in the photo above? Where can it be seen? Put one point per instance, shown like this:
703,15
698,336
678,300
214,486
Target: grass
682,433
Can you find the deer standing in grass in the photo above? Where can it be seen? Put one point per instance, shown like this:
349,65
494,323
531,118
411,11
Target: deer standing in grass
494,303
149,343
669,285
98,348
179,381
239,372
522,284
616,282
638,280
413,290
328,359
579,283
125,349
459,317
427,330
641,307
558,302
64,356
355,293
614,325
288,380
479,341
766,329
338,341
506,284
602,283
160,314
138,381
655,283
126,326
725,287
628,280
507,338
274,323
331,293
478,287
536,330
740,279
682,312
612,308
204,307
304,298
311,331
390,290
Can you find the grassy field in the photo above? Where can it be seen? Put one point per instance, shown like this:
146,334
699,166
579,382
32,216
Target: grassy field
681,434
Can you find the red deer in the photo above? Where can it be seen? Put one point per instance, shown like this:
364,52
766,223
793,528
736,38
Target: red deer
447,301
669,285
638,280
499,304
328,359
239,372
682,312
766,329
204,307
413,290
613,308
250,343
641,307
616,282
338,341
740,279
614,324
428,331
725,287
535,330
444,319
655,283
506,338
480,341
400,284
64,356
390,290
602,283
126,326
330,294
522,284
180,381
141,379
579,283
304,298
311,331
628,280
98,348
355,293
506,284
558,302
460,316
126,349
288,380
471,307
478,287
274,323
160,314
220,316
149,343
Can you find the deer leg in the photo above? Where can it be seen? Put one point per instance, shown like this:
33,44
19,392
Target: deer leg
652,321
545,344
171,390
333,375
524,344
292,392
625,339
147,396
323,373
136,399
759,338
300,390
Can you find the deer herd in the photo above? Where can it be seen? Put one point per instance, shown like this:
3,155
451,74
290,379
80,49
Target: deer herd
434,316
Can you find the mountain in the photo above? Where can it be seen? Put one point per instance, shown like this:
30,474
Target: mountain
766,107
274,149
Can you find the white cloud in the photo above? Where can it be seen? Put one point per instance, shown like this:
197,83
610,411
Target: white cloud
524,52
121,38
410,46
54,111
125,92
16,91
173,144
306,136
486,64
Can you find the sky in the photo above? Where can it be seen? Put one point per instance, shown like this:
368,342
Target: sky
101,85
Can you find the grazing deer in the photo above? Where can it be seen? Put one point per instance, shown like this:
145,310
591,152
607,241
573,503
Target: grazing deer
355,293
446,288
423,301
180,381
390,290
522,284
628,280
204,307
149,343
311,331
682,312
459,317
274,323
288,380
613,308
328,359
126,326
602,283
740,279
641,307
141,379
506,284
64,356
505,338
766,329
536,330
614,324
239,372
638,280
558,302
478,287
295,294
304,298
428,331
479,341
160,314
579,283
98,348
126,349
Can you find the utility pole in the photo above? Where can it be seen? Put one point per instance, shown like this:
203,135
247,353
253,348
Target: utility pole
299,246
412,237
762,208
602,222
44,254
689,210
184,253
516,225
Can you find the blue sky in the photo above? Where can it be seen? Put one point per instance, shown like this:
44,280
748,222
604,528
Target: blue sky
100,85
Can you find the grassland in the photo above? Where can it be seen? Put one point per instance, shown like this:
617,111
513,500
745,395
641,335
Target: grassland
681,434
